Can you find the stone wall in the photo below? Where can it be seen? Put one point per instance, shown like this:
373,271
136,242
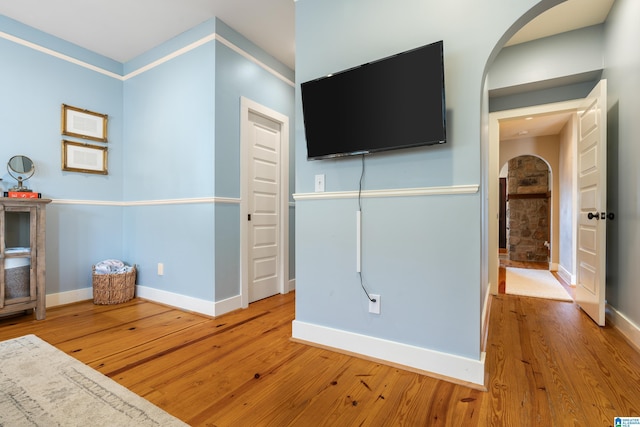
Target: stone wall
528,209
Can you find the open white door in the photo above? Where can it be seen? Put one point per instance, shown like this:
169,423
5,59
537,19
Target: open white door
592,202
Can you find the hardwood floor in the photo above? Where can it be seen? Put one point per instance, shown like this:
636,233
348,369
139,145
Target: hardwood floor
548,365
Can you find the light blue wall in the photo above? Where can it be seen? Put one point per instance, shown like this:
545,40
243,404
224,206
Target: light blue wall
170,128
34,85
622,61
184,120
79,236
181,237
409,264
555,57
229,34
544,96
158,204
237,77
552,69
422,254
170,134
39,38
227,251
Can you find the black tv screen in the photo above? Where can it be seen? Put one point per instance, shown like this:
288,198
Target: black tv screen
395,102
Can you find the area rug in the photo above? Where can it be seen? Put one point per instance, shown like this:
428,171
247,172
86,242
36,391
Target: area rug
43,386
534,283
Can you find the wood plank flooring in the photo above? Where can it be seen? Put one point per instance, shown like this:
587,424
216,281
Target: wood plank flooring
548,365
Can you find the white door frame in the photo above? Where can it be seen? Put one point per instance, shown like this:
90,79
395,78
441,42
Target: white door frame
494,173
247,106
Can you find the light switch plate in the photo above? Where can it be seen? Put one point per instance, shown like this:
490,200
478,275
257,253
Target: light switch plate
319,183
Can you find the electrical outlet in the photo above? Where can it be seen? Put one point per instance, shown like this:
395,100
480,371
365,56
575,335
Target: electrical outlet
319,183
160,269
374,307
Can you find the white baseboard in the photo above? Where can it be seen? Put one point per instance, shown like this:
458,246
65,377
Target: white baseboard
176,300
445,366
566,275
626,327
292,285
69,297
197,305
183,302
228,305
553,266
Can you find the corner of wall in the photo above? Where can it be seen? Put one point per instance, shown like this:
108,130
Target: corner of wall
443,366
627,328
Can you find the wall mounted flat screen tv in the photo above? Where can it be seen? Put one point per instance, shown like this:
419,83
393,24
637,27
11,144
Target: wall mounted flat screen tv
391,103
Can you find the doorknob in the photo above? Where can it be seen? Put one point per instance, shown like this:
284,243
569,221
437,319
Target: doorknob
610,216
592,215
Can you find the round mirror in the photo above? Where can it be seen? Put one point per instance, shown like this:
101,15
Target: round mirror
20,168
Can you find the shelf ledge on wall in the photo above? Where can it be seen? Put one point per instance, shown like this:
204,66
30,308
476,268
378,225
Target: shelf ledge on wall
400,192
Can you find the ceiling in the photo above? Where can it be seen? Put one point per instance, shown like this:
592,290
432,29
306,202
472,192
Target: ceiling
567,16
123,29
532,126
583,13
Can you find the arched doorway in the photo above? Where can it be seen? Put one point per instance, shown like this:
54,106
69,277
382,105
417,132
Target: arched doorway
562,102
528,209
525,267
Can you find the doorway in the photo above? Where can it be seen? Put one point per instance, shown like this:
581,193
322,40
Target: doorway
264,208
524,263
586,140
527,210
551,136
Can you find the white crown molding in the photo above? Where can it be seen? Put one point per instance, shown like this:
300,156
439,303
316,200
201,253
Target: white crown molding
59,55
401,192
179,52
253,59
170,56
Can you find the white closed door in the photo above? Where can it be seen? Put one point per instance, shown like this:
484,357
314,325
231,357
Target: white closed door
264,201
592,203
